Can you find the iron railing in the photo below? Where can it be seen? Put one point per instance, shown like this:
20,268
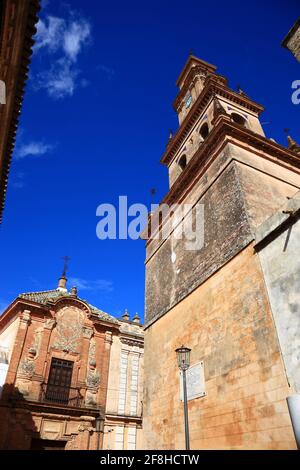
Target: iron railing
57,394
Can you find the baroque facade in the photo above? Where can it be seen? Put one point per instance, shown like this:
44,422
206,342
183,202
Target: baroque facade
221,298
64,364
17,28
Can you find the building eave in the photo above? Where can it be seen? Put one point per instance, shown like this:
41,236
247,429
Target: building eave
18,29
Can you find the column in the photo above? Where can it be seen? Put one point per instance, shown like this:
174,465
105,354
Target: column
43,350
18,347
87,334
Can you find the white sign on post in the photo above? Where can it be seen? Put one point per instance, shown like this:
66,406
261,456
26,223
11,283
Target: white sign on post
195,382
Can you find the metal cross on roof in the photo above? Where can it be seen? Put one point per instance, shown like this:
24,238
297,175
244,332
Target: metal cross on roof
66,263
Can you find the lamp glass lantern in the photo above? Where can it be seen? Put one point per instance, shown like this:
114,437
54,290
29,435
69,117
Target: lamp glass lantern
99,424
183,357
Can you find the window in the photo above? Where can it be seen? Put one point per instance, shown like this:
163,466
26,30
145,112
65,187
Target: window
204,131
59,381
238,119
182,162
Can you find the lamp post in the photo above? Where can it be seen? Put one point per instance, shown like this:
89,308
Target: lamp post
99,429
183,359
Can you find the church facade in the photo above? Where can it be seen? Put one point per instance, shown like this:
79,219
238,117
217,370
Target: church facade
220,299
71,374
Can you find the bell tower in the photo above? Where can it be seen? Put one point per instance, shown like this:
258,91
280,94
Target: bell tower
191,83
204,96
213,299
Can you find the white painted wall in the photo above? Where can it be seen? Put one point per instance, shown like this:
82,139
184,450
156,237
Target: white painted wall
280,262
7,341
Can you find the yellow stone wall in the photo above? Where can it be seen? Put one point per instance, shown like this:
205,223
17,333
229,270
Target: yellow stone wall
228,324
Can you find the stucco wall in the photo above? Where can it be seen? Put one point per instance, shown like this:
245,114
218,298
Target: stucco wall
280,263
7,340
226,232
238,192
125,390
228,324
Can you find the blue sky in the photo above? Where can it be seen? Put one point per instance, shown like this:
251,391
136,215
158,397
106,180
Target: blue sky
95,123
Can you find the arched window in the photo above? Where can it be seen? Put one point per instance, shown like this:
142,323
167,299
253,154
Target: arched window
204,131
238,119
182,162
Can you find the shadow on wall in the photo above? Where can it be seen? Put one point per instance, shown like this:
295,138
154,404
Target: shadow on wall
17,428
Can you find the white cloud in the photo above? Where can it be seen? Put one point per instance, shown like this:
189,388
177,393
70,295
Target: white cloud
63,40
33,149
75,36
98,284
50,36
60,80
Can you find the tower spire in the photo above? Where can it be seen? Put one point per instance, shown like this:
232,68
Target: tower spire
62,282
293,145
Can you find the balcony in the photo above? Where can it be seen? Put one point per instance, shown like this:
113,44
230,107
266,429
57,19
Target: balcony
58,395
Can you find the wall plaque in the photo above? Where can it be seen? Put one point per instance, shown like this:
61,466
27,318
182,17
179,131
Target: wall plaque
195,382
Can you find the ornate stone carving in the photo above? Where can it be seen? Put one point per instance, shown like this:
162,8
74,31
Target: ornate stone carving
38,334
49,324
92,351
85,427
91,398
27,365
26,316
22,387
93,376
87,332
108,337
69,329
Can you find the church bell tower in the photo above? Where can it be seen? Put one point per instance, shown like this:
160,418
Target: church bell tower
213,299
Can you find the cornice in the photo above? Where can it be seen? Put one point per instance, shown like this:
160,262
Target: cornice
14,310
214,85
132,340
52,408
69,301
127,418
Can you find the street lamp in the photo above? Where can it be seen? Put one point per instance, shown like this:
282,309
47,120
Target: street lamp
183,359
99,429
